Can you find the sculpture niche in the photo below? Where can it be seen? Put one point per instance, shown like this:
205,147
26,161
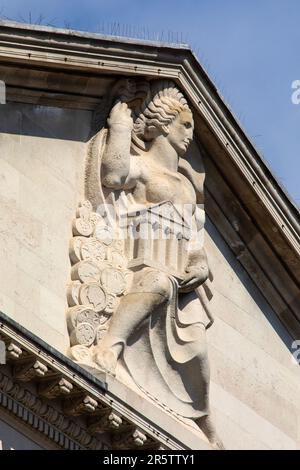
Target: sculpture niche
138,297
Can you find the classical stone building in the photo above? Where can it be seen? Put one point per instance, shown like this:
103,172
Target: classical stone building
72,377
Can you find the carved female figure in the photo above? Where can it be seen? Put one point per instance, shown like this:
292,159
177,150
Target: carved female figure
159,329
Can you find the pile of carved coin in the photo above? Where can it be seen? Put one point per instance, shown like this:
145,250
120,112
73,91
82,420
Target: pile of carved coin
98,279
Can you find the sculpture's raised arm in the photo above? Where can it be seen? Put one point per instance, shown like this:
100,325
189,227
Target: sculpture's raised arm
116,164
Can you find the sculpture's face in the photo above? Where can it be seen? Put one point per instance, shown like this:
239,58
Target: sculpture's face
181,132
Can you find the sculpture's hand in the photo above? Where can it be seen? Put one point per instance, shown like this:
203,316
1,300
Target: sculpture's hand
195,276
120,115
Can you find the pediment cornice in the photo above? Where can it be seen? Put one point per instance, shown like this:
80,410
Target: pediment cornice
79,409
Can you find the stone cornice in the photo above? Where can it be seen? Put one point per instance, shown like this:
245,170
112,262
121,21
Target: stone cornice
44,418
76,409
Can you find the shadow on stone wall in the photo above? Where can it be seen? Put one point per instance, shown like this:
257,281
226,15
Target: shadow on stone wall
45,121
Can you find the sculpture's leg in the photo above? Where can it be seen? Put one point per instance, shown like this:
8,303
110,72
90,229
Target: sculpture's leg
150,289
192,310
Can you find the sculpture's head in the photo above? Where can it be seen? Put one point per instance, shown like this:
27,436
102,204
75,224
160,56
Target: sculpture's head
165,112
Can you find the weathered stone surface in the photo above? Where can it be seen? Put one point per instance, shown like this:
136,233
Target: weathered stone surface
255,384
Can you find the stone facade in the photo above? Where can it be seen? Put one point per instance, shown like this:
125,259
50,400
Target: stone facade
36,235
251,240
251,368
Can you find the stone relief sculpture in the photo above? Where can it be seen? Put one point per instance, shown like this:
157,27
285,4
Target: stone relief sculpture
139,291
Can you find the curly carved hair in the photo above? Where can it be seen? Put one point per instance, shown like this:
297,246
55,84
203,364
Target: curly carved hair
164,101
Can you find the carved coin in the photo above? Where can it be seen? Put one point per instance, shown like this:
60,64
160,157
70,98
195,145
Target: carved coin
93,249
105,234
75,249
96,218
83,334
86,271
88,316
86,203
80,354
93,294
113,281
79,314
83,227
100,333
112,302
84,210
116,259
73,293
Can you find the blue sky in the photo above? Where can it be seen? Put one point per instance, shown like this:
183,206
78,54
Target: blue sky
250,48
